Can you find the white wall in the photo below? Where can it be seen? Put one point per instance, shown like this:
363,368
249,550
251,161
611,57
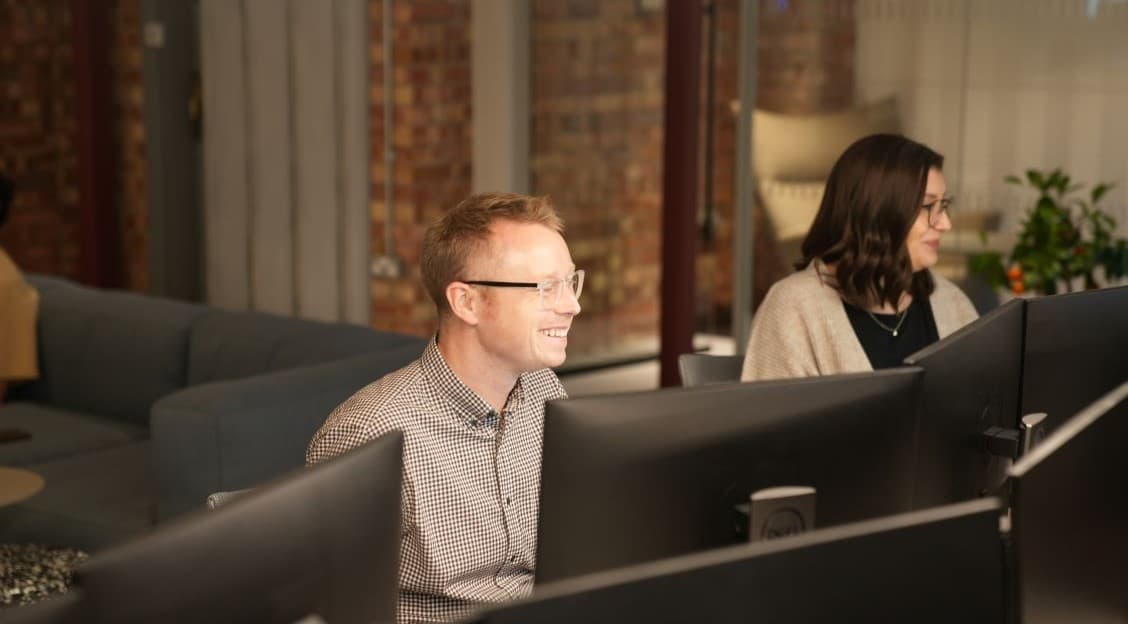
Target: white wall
999,86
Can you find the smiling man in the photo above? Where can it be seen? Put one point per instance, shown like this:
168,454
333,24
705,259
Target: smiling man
472,407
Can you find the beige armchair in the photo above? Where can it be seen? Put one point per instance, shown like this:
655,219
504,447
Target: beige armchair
793,155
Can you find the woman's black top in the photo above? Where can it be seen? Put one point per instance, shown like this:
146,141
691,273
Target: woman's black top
885,350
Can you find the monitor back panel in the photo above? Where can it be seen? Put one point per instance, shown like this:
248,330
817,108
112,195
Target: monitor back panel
1070,519
941,565
972,381
1076,351
633,478
323,540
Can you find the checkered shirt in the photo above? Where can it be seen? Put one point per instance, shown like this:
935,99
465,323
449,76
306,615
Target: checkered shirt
471,481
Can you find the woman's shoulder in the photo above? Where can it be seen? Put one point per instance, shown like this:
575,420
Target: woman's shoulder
945,288
948,299
804,283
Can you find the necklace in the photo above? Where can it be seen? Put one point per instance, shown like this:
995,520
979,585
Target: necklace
896,328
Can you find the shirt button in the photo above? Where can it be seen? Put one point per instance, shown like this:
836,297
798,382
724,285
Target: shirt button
512,558
508,500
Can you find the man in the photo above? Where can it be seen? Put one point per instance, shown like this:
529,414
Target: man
472,407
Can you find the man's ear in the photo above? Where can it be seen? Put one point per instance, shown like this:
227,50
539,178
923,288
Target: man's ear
464,301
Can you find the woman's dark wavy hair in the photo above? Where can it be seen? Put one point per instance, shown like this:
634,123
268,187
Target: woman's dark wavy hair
7,189
872,199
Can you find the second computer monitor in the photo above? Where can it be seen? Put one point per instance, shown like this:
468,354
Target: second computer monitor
636,477
323,541
940,565
972,381
1076,347
1069,515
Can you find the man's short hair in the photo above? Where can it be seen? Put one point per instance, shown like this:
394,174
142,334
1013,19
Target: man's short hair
464,231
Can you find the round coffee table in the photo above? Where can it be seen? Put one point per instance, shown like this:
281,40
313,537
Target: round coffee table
17,484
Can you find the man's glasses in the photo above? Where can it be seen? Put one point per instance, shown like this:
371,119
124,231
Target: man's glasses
937,209
549,290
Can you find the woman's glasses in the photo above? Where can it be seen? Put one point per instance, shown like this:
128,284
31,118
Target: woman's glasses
937,209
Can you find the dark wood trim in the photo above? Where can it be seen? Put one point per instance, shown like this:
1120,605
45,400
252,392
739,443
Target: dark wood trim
99,250
679,182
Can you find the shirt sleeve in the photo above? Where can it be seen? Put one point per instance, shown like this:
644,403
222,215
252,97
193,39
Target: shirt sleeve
337,436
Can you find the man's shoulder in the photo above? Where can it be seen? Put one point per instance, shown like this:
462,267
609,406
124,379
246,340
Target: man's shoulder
390,403
385,403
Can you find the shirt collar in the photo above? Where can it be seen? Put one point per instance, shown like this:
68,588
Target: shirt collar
466,403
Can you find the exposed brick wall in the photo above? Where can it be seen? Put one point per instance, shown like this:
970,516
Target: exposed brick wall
806,52
126,61
38,133
432,141
596,141
596,150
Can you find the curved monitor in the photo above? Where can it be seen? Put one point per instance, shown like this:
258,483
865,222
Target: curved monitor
324,540
972,381
636,477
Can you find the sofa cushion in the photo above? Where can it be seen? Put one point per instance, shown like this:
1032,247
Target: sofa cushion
805,147
90,501
232,345
57,432
236,434
109,353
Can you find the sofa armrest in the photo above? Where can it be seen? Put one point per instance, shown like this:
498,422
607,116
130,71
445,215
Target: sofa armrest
236,434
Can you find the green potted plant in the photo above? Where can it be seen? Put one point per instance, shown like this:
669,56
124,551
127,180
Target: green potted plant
1064,236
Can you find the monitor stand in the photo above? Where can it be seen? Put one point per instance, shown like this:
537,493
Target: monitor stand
1033,428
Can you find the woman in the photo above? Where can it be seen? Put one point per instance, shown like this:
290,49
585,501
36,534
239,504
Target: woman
864,297
19,305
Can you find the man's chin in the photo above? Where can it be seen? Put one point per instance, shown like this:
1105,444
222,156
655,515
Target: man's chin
552,360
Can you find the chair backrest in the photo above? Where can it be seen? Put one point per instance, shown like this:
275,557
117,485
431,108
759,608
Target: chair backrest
699,369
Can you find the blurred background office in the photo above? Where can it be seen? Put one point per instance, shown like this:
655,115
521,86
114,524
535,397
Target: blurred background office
285,156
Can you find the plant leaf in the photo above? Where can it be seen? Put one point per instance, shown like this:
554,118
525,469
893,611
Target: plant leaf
1099,191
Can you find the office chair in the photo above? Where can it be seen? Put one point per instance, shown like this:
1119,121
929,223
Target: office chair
699,369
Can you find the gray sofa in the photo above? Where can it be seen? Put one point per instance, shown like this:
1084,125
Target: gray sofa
145,406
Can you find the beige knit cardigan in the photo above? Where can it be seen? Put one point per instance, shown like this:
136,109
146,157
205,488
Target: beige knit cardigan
801,328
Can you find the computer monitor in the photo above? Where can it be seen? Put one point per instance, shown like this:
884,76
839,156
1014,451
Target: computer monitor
972,381
940,565
322,541
1069,517
635,477
1075,351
